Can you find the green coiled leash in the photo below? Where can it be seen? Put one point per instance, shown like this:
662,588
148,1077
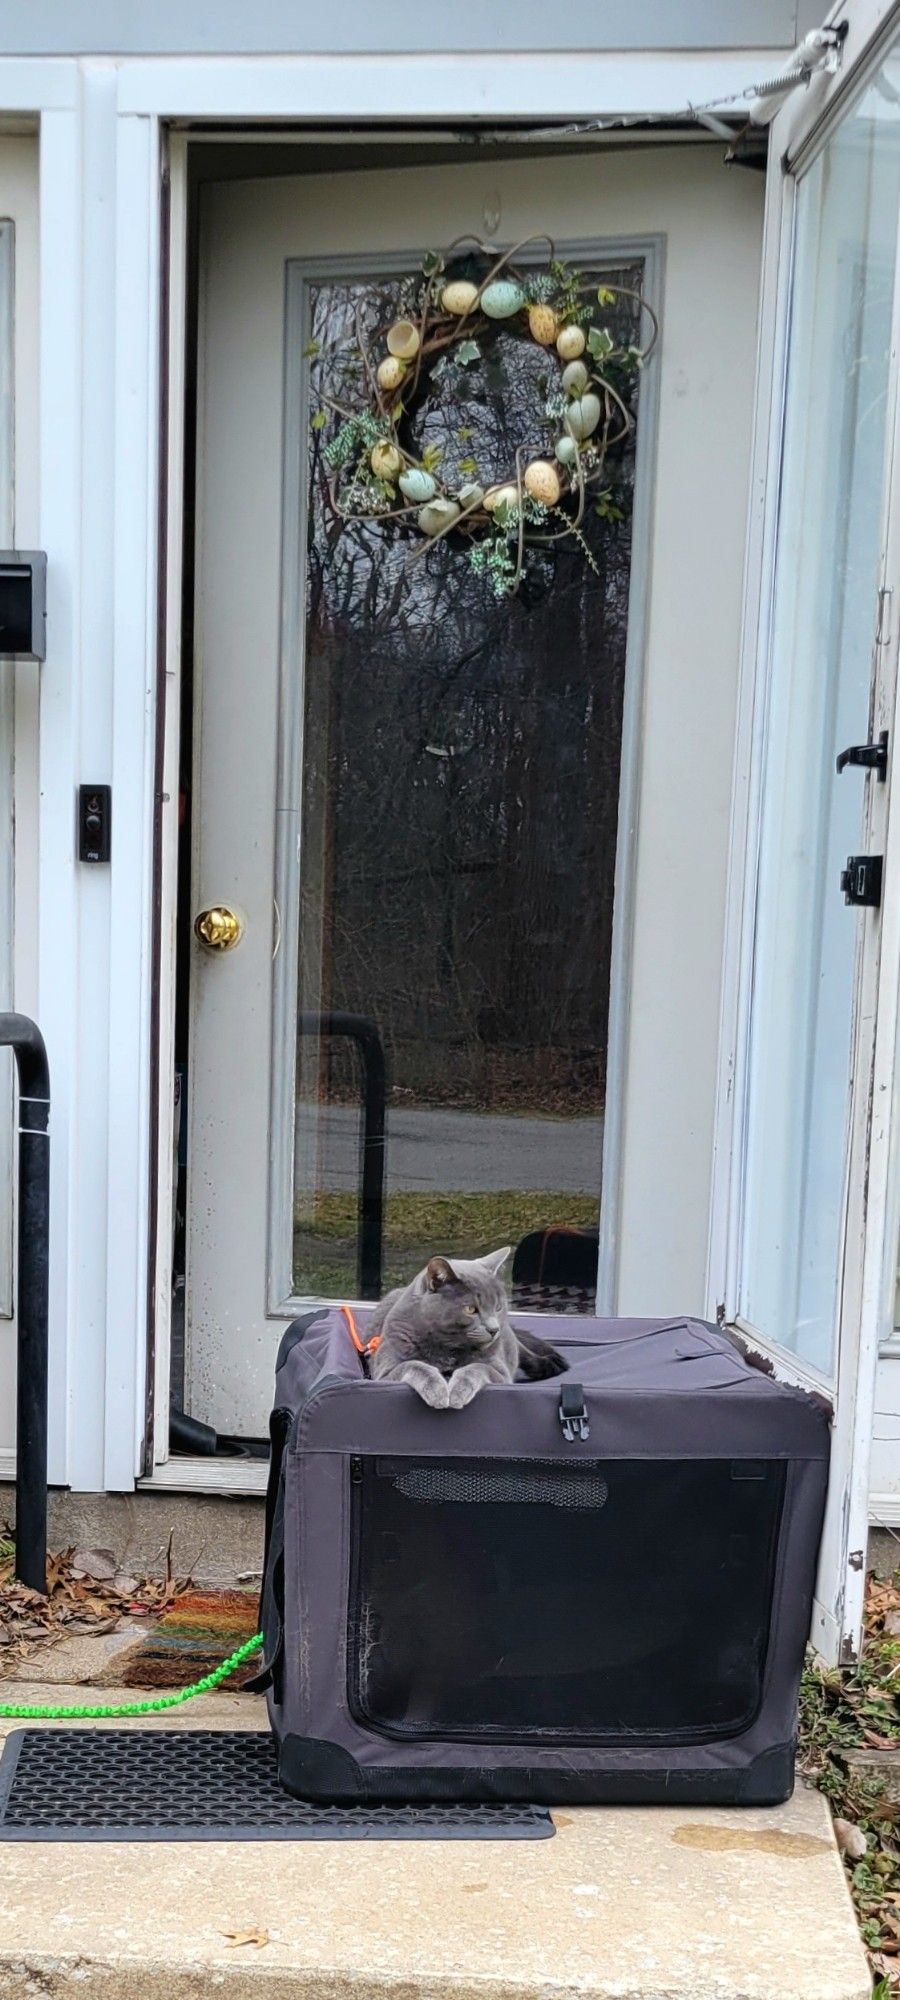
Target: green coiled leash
46,1711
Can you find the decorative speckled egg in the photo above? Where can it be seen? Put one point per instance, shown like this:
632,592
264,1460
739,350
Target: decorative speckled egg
403,340
385,460
575,378
438,514
566,451
502,298
583,416
391,372
506,495
569,343
459,296
541,480
417,485
470,495
543,325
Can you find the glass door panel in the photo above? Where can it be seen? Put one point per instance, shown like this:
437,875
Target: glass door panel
460,788
829,547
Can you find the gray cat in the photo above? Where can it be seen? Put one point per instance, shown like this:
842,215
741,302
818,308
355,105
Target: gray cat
449,1333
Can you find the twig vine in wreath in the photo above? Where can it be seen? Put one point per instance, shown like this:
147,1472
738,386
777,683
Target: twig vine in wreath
450,321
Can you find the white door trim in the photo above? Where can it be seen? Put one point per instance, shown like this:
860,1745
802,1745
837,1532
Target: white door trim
799,132
175,335
136,471
811,113
487,87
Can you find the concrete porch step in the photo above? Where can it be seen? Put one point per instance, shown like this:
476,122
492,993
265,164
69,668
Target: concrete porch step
624,1904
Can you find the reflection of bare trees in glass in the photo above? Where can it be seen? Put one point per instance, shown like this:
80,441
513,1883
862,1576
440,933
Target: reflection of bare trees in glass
461,765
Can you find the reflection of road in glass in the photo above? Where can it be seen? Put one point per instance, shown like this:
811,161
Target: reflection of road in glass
434,1150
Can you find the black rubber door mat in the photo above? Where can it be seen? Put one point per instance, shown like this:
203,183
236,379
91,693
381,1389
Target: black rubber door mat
203,1784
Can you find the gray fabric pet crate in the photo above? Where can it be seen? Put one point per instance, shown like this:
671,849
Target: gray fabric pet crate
593,1588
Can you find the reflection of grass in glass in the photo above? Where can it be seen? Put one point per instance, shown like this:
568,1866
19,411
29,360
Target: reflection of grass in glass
417,1226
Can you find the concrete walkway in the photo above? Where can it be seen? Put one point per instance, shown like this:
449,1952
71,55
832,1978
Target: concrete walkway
624,1904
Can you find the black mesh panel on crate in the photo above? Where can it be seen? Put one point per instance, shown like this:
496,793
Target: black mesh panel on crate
533,1601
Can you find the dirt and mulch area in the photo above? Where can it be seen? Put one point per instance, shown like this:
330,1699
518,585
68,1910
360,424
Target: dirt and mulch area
86,1596
169,1632
850,1748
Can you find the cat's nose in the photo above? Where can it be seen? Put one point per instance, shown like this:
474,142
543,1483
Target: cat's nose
493,1325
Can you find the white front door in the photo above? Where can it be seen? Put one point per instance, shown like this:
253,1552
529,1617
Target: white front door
420,802
812,1163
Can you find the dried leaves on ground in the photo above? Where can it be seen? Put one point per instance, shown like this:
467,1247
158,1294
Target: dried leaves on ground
85,1594
846,1709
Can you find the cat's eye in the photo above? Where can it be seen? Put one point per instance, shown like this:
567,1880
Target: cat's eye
470,1309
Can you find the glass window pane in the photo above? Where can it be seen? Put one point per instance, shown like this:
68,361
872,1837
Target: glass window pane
457,857
824,624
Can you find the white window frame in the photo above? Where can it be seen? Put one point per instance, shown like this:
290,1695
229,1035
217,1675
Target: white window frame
799,132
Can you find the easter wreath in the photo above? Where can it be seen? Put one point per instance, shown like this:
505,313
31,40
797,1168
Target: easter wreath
449,321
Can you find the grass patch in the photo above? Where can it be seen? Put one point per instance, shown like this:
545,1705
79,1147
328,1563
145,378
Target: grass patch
843,1708
485,1219
417,1226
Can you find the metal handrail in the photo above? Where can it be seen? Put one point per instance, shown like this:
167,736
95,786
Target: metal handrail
370,1228
32,1284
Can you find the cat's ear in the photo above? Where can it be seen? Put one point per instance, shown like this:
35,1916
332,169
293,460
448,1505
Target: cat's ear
496,1259
437,1273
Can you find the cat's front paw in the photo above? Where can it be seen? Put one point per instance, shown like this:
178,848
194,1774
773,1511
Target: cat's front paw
436,1394
462,1390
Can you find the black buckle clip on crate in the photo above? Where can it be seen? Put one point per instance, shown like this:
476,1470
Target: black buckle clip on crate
573,1414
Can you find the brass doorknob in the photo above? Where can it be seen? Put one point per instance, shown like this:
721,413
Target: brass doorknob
218,928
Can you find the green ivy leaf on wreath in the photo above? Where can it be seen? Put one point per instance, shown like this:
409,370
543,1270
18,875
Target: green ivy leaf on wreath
607,508
492,560
357,433
600,343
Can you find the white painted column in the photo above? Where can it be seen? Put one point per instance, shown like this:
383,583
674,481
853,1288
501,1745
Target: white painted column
98,368
88,1153
134,643
60,676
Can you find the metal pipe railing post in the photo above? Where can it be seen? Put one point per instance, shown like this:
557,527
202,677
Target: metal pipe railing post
370,1225
32,1281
